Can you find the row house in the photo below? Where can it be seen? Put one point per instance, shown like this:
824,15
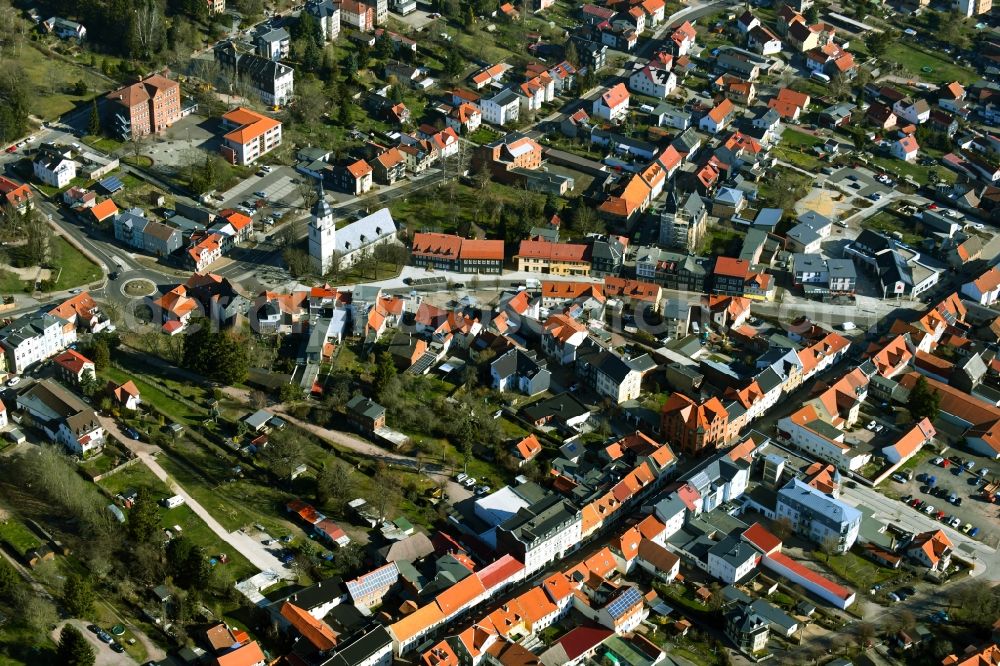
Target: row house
552,258
456,254
737,277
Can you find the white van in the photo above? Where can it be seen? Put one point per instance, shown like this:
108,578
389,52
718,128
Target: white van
848,326
820,76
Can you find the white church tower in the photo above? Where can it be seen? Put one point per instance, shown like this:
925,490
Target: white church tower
322,234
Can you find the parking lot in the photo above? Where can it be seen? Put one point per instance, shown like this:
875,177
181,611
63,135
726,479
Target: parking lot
965,484
175,148
858,182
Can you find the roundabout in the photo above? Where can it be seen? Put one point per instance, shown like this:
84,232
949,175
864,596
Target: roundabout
138,287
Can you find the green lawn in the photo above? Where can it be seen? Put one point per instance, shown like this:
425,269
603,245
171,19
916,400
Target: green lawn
797,139
915,171
18,536
11,283
890,223
138,476
914,60
76,269
857,571
721,240
52,80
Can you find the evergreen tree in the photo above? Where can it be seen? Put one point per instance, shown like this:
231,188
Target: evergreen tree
345,116
470,19
74,650
923,402
100,354
143,521
384,373
94,128
78,596
312,57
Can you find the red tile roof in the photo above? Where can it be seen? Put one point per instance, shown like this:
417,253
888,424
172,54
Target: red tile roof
833,588
72,361
758,536
318,633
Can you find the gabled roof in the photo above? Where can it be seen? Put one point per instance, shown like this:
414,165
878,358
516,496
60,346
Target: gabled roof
247,655
318,633
615,96
721,111
250,125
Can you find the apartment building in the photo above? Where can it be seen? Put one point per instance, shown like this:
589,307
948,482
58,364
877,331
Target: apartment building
541,533
818,516
33,338
250,135
273,81
552,258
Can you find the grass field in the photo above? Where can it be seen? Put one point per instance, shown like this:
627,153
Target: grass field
913,60
138,476
856,570
18,536
52,80
888,223
76,270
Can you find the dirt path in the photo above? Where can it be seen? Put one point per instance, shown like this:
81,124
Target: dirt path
239,541
105,655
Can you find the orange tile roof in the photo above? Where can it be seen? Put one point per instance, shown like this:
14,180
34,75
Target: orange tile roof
693,415
418,622
563,327
601,563
359,169
650,527
934,544
628,543
482,249
571,252
536,605
441,654
572,290
954,90
437,245
721,111
247,655
633,289
318,633
529,447
758,536
72,360
730,267
914,438
250,125
238,220
615,96
557,587
988,281
459,595
988,656
104,210
685,31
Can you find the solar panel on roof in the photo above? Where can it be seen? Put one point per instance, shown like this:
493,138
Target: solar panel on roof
375,580
112,184
628,599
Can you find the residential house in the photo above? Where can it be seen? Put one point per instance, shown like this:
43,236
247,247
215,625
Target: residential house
502,108
932,550
731,559
453,253
365,414
521,371
274,44
763,41
912,111
683,225
737,277
64,417
54,165
682,39
985,289
653,79
905,148
64,28
552,258
612,104
354,177
358,15
327,14
694,427
18,197
273,81
72,367
35,337
818,516
526,450
789,103
562,337
125,395
718,118
608,374
464,118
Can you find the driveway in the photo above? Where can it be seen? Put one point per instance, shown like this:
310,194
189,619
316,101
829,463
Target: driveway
243,543
105,655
